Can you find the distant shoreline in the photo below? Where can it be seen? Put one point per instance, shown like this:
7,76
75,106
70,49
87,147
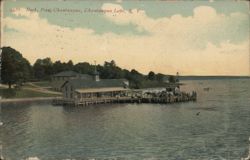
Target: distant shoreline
182,78
212,77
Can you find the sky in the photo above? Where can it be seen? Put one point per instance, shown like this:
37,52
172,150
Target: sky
205,37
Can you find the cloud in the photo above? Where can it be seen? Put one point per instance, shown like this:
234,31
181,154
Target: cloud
205,25
176,43
204,14
134,16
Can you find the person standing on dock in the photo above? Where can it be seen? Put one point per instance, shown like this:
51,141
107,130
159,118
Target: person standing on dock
177,90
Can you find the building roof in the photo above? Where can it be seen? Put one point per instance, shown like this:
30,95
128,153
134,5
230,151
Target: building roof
72,74
103,83
66,74
94,90
57,84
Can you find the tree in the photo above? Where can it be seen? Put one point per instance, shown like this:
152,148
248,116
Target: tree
110,70
159,77
43,68
151,76
135,78
70,65
112,63
84,68
58,67
15,68
171,79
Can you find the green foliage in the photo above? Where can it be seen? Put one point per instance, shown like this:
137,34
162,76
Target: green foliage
171,79
15,68
135,78
84,68
110,71
151,76
43,68
159,77
153,84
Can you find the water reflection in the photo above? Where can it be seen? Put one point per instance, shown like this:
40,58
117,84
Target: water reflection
134,131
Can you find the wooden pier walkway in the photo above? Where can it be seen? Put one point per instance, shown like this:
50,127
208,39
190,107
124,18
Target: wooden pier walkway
104,100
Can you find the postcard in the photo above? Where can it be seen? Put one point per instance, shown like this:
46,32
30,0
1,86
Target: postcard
127,80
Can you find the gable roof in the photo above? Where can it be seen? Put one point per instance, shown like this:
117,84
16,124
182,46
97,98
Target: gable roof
66,74
57,84
103,83
94,90
72,74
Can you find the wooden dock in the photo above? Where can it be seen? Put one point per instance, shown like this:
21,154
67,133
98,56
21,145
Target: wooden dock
104,100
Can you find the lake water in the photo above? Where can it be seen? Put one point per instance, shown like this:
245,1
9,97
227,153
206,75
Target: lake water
135,131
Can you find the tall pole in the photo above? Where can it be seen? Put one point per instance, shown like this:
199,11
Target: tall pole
95,65
1,123
177,77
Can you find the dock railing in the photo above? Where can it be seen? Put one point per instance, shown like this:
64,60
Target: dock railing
161,98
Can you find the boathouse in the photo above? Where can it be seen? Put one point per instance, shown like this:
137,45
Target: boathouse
83,92
58,79
84,89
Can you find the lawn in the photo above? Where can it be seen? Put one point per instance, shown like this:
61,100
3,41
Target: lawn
22,93
43,83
